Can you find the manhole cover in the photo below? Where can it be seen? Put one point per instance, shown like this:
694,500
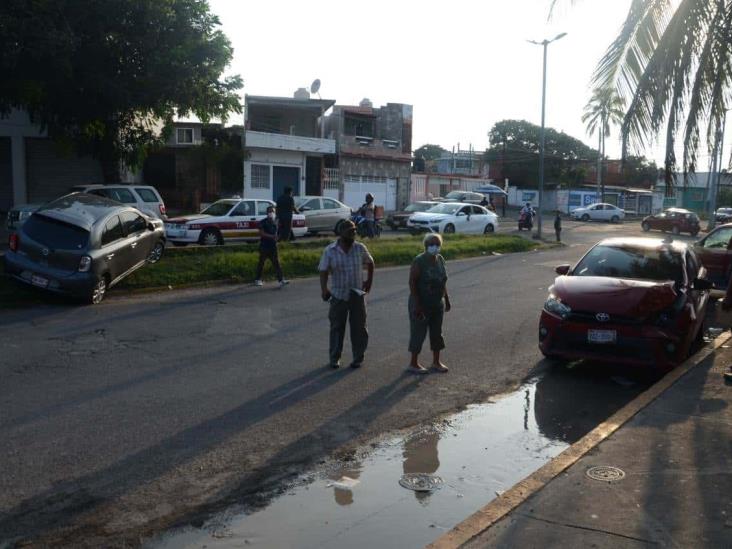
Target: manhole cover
420,482
605,473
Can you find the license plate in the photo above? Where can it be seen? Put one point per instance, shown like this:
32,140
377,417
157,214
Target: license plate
602,336
39,281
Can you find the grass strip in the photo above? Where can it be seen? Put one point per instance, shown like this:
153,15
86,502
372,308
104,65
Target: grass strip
195,265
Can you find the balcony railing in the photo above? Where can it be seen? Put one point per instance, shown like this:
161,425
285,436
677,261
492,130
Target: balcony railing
262,140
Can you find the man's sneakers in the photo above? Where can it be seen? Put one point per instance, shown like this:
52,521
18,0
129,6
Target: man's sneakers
258,282
284,282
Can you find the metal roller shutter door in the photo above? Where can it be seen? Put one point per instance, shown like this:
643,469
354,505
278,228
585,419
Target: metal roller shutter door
384,191
50,173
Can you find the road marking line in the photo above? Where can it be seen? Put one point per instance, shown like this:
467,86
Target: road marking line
494,511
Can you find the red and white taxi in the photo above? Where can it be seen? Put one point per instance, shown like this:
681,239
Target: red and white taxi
223,220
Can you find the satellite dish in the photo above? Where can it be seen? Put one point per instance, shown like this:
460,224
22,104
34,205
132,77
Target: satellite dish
315,86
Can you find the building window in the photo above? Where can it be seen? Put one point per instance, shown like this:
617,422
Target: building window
184,136
358,126
260,176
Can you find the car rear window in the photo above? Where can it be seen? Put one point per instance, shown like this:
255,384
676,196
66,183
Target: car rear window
55,234
147,195
630,262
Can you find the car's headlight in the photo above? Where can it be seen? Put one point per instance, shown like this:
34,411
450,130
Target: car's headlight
435,220
23,215
555,306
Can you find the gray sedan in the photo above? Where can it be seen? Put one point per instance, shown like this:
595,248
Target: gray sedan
321,212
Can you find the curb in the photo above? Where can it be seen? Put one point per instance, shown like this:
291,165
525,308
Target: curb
497,509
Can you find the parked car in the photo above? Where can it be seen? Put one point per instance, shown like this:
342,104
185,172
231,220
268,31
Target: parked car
599,212
462,196
143,197
675,220
637,301
321,212
399,219
715,253
723,215
454,218
82,245
224,220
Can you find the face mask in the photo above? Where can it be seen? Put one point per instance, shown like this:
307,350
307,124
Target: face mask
271,215
433,249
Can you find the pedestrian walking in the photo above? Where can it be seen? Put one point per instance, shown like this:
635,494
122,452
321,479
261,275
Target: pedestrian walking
558,226
268,248
343,263
428,302
368,211
285,208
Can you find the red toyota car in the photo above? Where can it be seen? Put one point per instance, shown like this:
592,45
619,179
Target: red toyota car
635,301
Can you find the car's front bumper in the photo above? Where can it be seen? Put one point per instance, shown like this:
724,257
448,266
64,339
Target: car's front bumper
636,345
182,235
76,284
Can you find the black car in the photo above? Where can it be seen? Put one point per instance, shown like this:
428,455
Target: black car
723,215
82,245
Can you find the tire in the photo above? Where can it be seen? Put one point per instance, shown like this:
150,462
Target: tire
645,226
157,252
449,229
99,291
585,217
489,229
694,233
210,237
675,229
698,342
615,219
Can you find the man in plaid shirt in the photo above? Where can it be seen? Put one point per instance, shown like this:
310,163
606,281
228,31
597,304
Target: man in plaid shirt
343,261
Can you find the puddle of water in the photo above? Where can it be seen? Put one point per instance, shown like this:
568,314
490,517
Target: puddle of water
478,453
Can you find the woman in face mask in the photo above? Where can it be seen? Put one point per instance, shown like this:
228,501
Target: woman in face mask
428,301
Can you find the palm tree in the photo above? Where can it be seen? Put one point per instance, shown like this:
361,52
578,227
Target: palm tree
672,65
604,108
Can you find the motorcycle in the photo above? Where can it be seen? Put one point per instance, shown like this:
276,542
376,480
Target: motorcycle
362,227
526,221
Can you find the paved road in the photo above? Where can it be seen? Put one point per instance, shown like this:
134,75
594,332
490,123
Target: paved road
120,419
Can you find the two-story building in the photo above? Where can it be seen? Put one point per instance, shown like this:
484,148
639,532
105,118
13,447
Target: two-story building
285,145
374,153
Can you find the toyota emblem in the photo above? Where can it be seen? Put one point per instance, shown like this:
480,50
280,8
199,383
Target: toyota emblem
602,317
44,251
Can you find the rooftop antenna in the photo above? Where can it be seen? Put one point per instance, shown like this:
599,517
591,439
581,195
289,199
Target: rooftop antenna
315,86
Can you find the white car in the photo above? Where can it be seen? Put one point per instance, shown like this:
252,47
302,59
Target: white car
599,212
224,220
454,217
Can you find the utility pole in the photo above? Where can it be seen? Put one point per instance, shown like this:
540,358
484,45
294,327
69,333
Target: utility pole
543,43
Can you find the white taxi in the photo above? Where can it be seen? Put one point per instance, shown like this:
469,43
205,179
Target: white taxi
225,220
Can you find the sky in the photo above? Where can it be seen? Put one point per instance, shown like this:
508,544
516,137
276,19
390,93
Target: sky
463,65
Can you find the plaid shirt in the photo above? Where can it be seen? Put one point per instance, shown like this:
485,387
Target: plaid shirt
346,269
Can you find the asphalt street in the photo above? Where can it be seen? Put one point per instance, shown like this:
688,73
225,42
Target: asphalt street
122,419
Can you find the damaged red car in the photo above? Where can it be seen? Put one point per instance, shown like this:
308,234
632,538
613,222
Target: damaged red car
634,301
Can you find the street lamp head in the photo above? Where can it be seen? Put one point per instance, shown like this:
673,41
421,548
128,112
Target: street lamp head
558,36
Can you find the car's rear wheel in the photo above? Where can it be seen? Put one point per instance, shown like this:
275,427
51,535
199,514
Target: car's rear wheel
210,237
645,226
675,229
585,217
157,253
99,290
449,228
489,229
614,219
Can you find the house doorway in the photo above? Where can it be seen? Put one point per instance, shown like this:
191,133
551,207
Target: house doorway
313,172
285,177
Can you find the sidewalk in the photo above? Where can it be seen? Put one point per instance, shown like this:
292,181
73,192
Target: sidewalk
676,454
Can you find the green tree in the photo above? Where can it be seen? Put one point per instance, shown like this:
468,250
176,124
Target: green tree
604,109
638,171
514,150
105,76
425,155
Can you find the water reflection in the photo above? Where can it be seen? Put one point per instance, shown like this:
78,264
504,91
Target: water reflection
420,455
344,496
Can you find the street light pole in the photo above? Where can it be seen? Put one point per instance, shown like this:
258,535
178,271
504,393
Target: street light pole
543,43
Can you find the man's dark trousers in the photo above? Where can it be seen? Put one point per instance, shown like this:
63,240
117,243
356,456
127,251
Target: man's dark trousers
285,229
271,254
353,310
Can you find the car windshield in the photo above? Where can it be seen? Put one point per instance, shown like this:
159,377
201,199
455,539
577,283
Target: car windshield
221,207
725,211
417,207
445,208
55,234
455,194
631,262
300,200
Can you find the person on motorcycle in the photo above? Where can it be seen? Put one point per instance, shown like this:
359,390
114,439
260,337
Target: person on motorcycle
528,210
368,211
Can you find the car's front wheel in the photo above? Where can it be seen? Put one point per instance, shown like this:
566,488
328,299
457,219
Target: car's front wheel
645,226
99,290
157,253
585,217
449,228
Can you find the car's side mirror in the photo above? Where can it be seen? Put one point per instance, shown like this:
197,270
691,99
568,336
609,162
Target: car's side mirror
702,284
562,269
150,227
460,214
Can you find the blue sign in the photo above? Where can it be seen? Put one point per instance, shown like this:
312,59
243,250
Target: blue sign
528,196
590,199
